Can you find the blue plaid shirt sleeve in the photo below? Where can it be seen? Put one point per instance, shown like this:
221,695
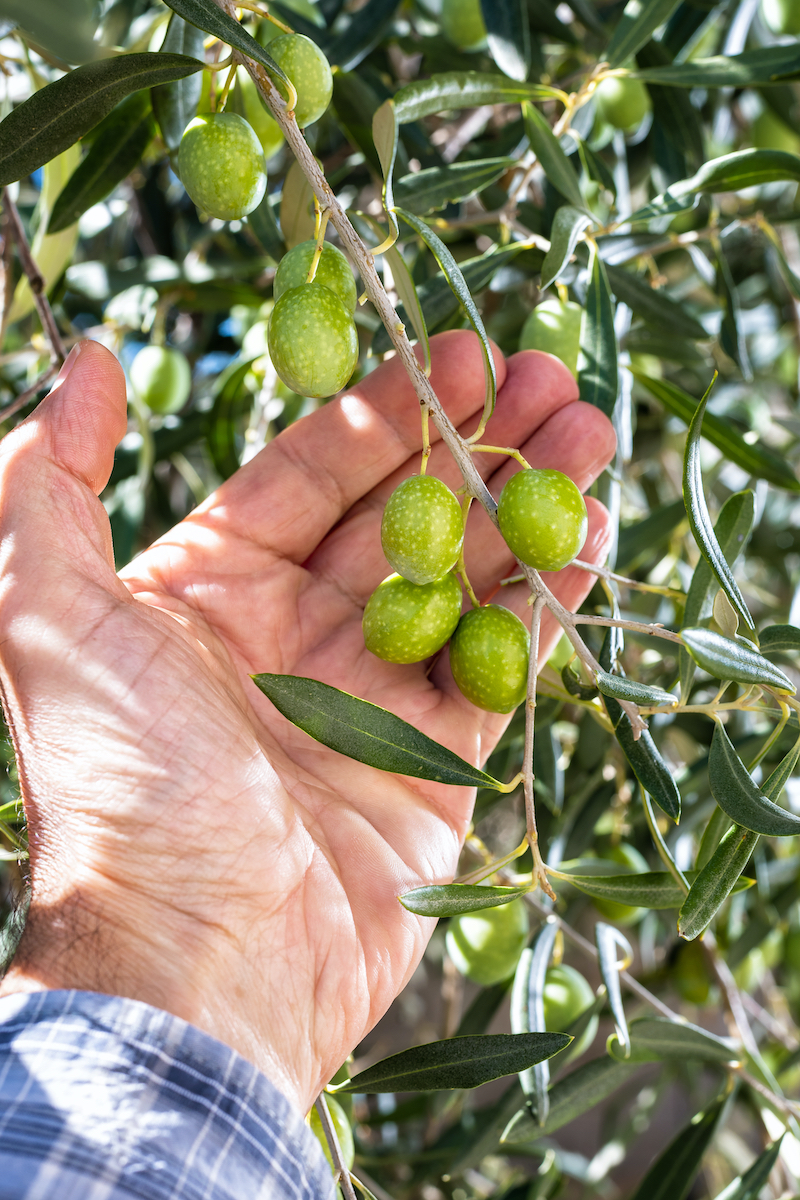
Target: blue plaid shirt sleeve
103,1098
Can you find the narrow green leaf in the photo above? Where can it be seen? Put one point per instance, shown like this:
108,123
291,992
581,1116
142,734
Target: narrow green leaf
767,65
791,280
780,639
459,287
648,889
435,187
672,1174
756,458
718,825
404,285
362,34
575,686
639,21
735,792
596,168
750,1185
628,689
725,658
527,1014
646,762
354,105
385,137
462,1062
655,1039
699,519
568,225
598,377
56,116
674,200
365,732
453,899
572,1096
608,940
731,335
508,35
655,307
205,14
555,164
64,27
119,143
230,398
175,104
464,89
731,531
715,882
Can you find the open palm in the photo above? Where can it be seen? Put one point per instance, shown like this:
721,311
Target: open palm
189,846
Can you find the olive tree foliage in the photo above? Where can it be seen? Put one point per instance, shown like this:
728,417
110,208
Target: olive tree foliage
480,159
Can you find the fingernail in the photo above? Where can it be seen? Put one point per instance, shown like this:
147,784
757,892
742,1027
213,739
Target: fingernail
67,365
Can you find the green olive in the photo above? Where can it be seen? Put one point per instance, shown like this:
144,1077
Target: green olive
486,946
422,530
333,271
690,973
309,71
566,995
489,654
782,16
622,102
161,378
554,326
312,340
405,622
542,516
221,165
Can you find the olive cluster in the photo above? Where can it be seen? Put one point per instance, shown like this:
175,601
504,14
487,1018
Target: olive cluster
413,613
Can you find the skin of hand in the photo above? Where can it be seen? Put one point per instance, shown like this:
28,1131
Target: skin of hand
189,847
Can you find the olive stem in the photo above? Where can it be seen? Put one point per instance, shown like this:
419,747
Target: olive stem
527,755
261,12
638,585
461,570
342,1169
492,868
321,224
223,99
14,226
426,442
509,450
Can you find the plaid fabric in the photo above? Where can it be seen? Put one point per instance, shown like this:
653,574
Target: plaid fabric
105,1099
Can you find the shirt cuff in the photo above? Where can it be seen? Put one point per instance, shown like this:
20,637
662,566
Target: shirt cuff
104,1096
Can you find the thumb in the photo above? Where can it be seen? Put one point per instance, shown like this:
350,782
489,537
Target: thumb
80,422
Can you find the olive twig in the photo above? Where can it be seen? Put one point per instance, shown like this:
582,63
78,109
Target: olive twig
14,228
329,1129
223,98
527,754
636,584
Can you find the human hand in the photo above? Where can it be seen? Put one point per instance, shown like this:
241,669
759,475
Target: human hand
189,847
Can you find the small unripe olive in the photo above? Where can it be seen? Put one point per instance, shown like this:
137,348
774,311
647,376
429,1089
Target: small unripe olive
566,995
312,341
462,23
622,102
333,271
782,16
161,378
489,658
343,1131
309,71
542,516
405,622
422,530
221,164
554,326
486,946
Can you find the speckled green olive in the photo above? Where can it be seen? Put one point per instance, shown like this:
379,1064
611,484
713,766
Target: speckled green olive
462,23
486,946
405,622
566,995
246,101
343,1131
782,16
554,326
161,378
312,340
422,530
543,518
622,102
333,271
489,658
632,862
221,165
690,973
309,71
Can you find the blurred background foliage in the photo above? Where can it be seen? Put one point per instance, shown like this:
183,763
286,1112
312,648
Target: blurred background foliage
716,287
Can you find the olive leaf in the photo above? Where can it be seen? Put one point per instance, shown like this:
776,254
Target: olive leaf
460,1062
735,792
508,36
672,1174
572,1096
608,940
736,659
646,889
655,1039
628,689
527,1013
205,14
637,24
453,899
464,89
365,732
715,882
598,377
568,225
175,104
699,519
